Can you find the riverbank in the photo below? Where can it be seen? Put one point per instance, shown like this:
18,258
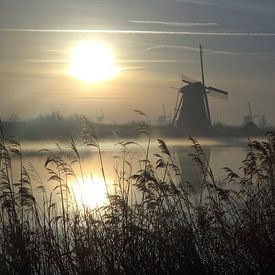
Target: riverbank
57,127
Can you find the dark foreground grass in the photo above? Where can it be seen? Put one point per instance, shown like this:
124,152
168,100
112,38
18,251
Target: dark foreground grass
227,229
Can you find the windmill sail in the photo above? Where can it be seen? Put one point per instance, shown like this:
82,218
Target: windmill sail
216,90
217,93
204,89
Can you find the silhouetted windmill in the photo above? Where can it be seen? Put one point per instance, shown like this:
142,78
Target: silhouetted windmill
249,118
250,127
192,111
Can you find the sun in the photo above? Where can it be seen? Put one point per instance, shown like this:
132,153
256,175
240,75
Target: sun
92,61
91,192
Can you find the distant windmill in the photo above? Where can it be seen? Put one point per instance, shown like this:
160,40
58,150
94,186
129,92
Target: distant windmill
192,111
100,119
249,118
250,126
164,119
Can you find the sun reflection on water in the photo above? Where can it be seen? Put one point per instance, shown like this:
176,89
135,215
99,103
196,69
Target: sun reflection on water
90,192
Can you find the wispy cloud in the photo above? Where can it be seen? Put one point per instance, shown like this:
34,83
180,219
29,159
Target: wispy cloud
45,61
155,61
191,49
94,31
196,49
119,61
213,51
134,68
177,24
199,3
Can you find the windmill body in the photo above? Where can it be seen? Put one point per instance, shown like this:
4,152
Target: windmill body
193,113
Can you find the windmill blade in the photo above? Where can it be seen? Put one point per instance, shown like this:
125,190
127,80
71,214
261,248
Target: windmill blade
218,95
204,88
202,71
216,90
177,108
174,88
187,80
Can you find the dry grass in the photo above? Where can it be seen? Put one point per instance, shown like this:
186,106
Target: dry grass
166,230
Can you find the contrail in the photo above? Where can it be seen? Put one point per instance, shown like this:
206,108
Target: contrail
138,32
184,24
190,48
119,61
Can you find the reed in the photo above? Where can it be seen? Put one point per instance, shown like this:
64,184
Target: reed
152,222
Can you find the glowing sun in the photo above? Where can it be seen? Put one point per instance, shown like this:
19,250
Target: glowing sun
92,61
90,193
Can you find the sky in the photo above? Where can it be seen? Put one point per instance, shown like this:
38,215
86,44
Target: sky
154,42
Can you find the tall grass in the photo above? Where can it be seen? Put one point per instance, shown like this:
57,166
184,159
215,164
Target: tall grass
152,222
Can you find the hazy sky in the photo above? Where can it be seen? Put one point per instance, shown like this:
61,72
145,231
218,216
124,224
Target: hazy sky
153,41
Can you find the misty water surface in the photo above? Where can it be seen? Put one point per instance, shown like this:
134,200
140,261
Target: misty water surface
219,154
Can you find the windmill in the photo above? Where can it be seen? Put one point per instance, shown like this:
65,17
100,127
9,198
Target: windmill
250,127
249,118
164,119
192,111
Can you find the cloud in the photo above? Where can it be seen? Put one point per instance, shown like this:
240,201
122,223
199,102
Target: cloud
155,61
46,61
141,32
196,2
222,52
191,49
176,24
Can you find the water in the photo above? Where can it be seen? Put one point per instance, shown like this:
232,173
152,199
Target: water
91,189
